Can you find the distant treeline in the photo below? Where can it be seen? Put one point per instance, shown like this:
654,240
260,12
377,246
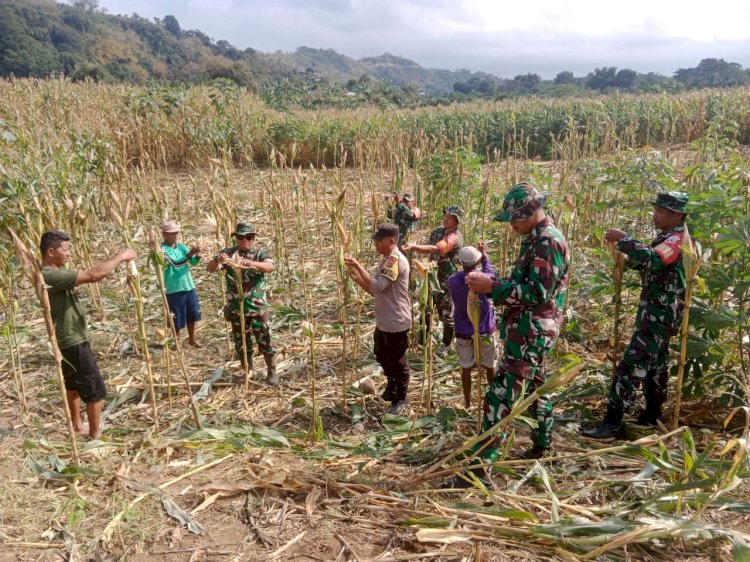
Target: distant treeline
710,73
42,38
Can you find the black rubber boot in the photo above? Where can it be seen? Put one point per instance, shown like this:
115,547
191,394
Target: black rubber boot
651,415
271,377
611,426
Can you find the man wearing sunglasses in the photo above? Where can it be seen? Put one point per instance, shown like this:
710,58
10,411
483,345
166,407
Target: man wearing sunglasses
255,261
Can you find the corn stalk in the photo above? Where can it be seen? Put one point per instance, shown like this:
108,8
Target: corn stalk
560,378
316,426
427,274
474,310
34,274
9,304
134,283
692,260
157,259
618,268
342,242
238,274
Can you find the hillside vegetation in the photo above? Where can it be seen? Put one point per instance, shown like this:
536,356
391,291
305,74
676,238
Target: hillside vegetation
42,38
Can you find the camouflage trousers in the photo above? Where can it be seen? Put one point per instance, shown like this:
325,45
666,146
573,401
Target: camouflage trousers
444,306
519,372
644,363
255,325
505,391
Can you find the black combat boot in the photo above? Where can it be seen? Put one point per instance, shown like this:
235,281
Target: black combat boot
651,415
271,377
611,425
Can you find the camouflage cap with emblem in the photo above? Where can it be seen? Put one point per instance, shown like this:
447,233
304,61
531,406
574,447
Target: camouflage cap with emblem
386,230
244,228
673,200
521,201
454,211
407,197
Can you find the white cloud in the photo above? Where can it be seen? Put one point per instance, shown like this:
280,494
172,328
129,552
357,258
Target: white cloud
505,38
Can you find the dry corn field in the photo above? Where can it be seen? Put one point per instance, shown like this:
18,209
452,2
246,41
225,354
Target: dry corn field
197,463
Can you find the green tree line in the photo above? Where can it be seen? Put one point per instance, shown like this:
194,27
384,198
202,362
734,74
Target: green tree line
43,38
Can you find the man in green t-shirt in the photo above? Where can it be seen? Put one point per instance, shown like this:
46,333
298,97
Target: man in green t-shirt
80,370
178,282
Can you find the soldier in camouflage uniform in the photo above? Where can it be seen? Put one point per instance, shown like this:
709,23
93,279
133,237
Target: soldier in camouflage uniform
405,215
533,297
659,315
255,262
443,247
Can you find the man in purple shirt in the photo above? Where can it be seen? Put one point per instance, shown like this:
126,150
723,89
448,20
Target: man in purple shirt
471,258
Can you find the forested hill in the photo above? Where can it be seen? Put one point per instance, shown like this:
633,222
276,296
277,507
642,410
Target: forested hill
39,38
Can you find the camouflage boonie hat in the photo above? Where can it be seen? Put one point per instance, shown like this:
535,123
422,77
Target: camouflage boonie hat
673,200
408,197
455,211
521,201
244,227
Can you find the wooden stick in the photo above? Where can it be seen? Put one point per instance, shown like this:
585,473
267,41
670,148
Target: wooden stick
346,544
41,545
287,545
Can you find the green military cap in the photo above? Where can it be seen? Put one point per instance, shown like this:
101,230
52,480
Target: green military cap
521,201
672,200
408,197
244,227
454,210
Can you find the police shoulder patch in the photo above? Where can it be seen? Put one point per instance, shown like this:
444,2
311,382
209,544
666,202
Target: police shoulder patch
389,269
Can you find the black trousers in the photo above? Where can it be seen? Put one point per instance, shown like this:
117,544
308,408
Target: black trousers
390,351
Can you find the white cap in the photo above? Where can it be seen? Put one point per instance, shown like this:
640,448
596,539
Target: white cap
469,255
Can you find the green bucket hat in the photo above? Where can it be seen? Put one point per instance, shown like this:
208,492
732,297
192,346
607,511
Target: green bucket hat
454,210
672,200
521,201
244,227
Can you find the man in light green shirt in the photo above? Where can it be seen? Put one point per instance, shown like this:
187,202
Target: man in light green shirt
178,282
83,381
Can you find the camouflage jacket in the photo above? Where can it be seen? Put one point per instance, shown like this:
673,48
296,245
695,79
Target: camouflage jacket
534,293
662,280
448,243
253,281
406,220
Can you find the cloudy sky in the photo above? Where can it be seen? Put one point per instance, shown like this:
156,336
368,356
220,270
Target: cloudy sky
497,36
